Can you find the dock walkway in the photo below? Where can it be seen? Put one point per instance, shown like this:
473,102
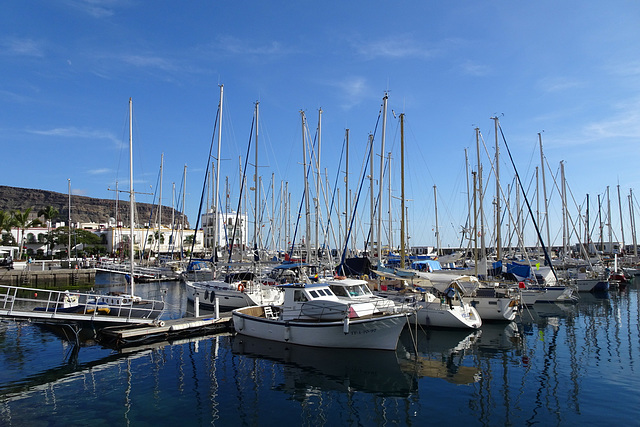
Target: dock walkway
119,336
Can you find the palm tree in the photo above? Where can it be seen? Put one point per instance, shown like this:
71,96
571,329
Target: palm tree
22,221
6,223
48,213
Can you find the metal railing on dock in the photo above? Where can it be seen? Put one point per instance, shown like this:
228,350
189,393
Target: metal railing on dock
53,306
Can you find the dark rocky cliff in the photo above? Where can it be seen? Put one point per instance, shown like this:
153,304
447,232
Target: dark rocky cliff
83,209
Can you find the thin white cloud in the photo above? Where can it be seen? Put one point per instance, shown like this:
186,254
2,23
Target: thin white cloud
237,46
353,89
392,47
73,132
21,47
100,171
474,69
95,8
558,84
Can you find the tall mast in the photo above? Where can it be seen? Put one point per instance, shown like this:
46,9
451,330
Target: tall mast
217,187
306,188
621,220
544,191
380,179
565,228
480,202
402,219
633,225
131,195
609,221
371,195
160,202
317,198
498,214
435,200
390,229
256,183
346,191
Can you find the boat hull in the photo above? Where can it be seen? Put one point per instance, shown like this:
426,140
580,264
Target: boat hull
439,315
379,333
495,309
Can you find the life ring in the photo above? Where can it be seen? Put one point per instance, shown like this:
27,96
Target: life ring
240,287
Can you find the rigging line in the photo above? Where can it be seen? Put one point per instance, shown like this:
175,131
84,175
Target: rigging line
335,187
353,215
146,235
244,173
204,186
544,249
308,171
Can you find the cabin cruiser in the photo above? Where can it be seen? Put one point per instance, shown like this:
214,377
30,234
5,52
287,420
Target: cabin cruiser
311,314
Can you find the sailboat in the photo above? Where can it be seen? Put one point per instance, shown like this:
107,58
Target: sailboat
236,288
433,309
125,304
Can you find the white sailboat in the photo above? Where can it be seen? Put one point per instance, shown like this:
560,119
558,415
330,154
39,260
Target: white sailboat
129,304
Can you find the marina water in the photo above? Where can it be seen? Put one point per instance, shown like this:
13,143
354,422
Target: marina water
560,364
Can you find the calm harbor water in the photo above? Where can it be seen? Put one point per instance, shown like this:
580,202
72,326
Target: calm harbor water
564,364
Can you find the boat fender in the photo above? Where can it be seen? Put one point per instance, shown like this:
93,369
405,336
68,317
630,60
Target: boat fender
206,295
240,287
345,327
287,332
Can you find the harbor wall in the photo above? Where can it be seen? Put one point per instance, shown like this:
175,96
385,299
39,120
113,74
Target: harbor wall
55,278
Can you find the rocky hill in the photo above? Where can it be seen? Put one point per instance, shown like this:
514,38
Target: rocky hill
83,209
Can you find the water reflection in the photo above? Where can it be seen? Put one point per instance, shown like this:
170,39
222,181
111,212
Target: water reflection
344,370
439,354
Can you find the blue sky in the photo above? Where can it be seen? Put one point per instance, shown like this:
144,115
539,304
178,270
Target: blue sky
569,70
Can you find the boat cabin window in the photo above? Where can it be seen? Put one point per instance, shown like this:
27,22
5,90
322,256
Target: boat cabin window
339,291
299,296
314,294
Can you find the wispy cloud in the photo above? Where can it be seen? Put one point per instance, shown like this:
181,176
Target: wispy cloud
21,47
238,46
73,132
141,61
394,47
100,171
353,89
95,8
558,84
474,69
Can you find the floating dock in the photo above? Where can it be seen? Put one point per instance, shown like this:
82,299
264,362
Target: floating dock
116,327
119,336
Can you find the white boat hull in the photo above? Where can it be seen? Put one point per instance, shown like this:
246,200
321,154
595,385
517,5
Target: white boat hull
380,333
229,297
495,308
439,315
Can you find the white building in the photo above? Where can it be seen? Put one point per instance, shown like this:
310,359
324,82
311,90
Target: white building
225,232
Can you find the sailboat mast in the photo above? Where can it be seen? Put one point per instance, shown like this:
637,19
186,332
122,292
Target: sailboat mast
346,190
160,201
498,213
217,187
380,179
306,188
565,228
621,219
633,225
256,184
480,202
402,219
544,190
390,229
371,207
317,198
435,200
131,195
